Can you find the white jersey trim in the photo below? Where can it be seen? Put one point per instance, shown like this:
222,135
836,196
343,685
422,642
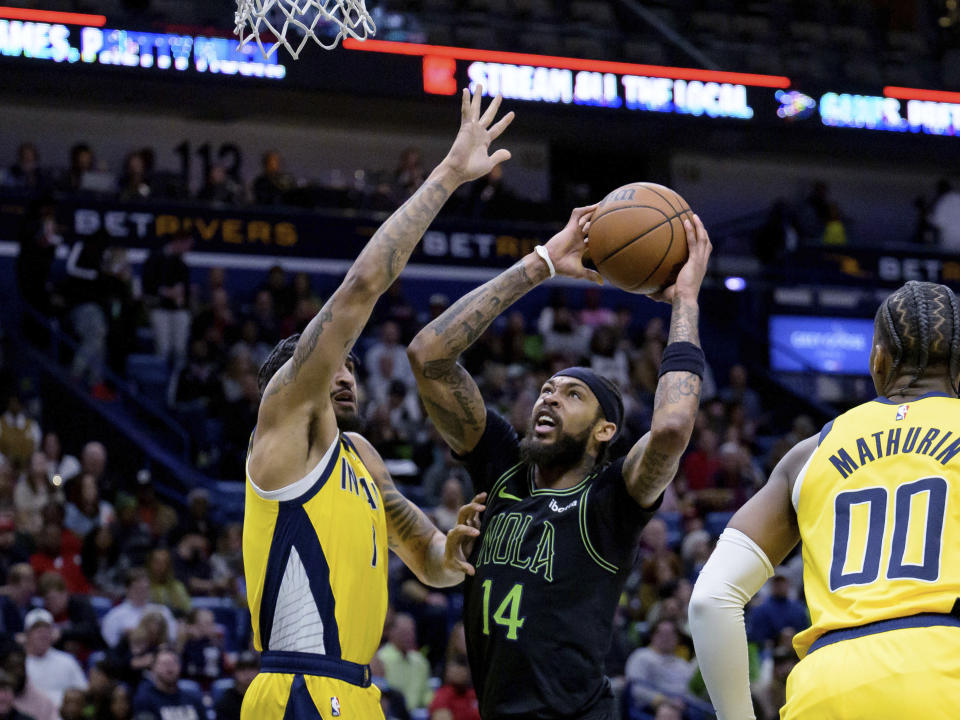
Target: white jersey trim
795,495
301,486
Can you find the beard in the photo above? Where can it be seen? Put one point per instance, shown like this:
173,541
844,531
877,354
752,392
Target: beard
348,420
566,452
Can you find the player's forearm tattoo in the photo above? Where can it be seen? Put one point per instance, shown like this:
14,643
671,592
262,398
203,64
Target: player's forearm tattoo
468,318
305,347
406,523
656,471
674,387
683,322
395,240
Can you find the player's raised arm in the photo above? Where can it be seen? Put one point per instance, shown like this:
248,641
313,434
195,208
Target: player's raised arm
323,346
759,536
652,463
449,393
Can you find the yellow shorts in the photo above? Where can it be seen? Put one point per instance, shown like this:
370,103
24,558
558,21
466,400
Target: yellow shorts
279,696
905,674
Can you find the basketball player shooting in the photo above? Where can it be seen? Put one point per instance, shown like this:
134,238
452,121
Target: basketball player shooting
320,506
875,499
560,523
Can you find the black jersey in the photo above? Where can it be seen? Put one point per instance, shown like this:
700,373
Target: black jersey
551,565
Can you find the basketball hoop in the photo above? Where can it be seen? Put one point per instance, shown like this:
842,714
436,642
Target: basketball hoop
292,23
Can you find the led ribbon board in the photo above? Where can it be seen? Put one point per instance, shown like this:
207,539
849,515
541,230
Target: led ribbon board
72,38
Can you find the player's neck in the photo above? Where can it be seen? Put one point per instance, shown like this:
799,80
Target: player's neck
902,390
561,478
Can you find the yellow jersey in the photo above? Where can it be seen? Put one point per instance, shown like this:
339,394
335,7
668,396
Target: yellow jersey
878,507
315,560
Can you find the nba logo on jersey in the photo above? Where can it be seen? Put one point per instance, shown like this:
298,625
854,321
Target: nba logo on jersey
902,411
335,706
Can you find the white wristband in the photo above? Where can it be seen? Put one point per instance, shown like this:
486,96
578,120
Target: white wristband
545,254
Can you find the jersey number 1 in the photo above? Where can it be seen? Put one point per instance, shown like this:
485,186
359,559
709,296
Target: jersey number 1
876,500
508,612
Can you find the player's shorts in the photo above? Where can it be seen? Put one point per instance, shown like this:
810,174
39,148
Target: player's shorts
299,694
890,674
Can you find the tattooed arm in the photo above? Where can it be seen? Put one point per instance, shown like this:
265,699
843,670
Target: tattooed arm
448,392
305,378
652,463
410,533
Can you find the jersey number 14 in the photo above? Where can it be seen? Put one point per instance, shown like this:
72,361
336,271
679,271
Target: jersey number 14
507,613
876,499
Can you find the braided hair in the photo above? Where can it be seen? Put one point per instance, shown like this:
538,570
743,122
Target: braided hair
919,325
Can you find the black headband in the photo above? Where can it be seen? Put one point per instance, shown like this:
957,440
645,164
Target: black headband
610,403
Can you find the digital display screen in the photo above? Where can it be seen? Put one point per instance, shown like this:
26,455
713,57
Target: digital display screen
140,51
820,344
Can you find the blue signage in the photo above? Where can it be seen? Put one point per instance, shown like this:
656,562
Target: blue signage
824,344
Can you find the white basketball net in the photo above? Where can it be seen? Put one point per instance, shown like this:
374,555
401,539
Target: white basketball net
292,23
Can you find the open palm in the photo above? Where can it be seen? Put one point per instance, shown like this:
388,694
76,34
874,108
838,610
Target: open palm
469,156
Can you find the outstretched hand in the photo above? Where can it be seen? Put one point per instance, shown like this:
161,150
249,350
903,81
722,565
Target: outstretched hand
691,274
461,538
469,157
567,247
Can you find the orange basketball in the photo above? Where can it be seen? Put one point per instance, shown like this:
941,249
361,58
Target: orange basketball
637,240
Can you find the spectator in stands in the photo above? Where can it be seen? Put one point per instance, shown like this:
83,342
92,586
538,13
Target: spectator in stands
16,596
197,520
281,291
86,296
27,698
58,551
244,671
669,709
733,483
738,391
121,705
103,563
90,510
160,698
814,212
50,670
489,197
594,314
227,561
558,325
220,188
165,588
409,173
239,420
33,492
39,237
779,611
74,618
93,461
128,614
386,360
451,500
701,464
81,162
303,289
19,433
945,216
134,183
192,563
58,462
656,670
456,698
7,487
250,339
202,654
217,324
801,429
131,535
393,423
771,695
606,358
264,312
272,184
405,668
135,654
14,549
166,289
25,172
197,384
392,704
7,710
73,704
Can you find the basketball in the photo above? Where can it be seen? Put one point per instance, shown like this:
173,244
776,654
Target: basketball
637,240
